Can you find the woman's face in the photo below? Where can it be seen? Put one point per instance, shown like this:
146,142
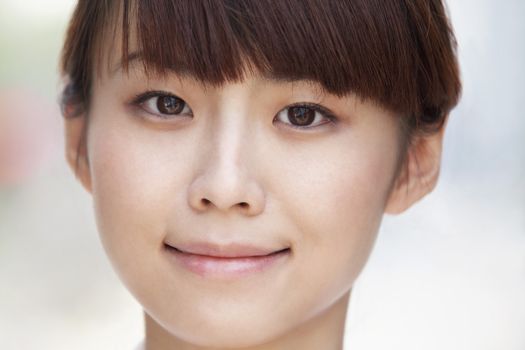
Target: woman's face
253,168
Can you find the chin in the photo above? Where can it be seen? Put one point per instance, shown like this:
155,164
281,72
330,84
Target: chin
222,332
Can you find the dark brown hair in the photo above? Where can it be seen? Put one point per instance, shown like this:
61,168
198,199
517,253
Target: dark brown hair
399,53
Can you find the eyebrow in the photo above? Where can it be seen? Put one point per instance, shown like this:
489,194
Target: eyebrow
136,57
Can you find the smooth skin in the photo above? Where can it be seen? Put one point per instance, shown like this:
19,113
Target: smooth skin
232,168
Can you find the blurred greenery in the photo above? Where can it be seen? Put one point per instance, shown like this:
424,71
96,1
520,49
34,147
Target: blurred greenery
29,49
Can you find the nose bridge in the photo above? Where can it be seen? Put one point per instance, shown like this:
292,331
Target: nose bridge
227,158
225,180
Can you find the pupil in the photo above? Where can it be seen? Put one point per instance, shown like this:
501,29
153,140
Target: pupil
301,115
170,104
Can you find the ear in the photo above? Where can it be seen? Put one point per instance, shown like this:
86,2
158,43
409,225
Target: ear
419,173
76,148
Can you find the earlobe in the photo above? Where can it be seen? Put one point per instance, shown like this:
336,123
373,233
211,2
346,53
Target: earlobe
419,173
76,149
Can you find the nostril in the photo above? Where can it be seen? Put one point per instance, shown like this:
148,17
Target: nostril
205,204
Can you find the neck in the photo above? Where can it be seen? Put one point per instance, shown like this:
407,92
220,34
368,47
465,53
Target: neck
324,331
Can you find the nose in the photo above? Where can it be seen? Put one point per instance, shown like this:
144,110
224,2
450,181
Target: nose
225,181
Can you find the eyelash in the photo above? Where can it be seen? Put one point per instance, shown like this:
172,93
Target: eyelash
320,111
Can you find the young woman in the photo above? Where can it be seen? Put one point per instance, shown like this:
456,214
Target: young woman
241,154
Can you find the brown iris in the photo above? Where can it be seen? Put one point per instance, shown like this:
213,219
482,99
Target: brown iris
301,116
170,104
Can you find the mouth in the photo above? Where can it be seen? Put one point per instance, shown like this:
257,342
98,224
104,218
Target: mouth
225,251
226,262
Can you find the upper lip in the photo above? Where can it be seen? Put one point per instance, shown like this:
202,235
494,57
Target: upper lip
231,250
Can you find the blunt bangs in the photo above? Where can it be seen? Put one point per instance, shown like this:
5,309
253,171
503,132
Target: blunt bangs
400,54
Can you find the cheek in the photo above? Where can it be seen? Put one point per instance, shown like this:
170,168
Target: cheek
131,192
336,202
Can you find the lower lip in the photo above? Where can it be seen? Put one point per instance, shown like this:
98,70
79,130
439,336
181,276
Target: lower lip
226,268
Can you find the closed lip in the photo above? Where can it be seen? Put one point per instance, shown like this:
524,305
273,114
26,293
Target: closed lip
231,250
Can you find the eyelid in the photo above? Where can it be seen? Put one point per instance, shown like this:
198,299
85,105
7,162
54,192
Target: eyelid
143,97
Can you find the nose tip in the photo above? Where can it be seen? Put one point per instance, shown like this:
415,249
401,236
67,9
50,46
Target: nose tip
226,193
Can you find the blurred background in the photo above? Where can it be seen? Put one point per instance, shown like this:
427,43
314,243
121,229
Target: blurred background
447,274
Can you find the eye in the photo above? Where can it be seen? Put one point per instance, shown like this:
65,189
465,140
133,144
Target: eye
162,104
305,116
